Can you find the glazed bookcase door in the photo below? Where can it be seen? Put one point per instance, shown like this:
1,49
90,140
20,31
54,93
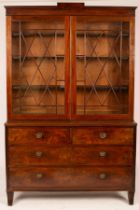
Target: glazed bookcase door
40,67
101,68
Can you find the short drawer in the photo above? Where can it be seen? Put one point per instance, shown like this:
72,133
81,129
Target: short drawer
70,178
38,155
103,155
47,156
41,135
102,135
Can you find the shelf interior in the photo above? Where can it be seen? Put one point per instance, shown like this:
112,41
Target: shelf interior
101,67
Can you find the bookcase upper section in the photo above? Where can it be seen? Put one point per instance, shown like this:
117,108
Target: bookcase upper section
69,63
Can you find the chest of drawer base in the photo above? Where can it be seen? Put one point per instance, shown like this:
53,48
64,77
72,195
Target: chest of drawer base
71,158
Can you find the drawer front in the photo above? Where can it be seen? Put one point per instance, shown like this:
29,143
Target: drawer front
70,178
40,135
96,155
103,155
102,135
39,155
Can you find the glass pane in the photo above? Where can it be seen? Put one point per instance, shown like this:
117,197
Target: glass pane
38,67
102,66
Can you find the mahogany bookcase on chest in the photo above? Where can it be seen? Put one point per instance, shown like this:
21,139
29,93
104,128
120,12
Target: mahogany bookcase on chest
70,88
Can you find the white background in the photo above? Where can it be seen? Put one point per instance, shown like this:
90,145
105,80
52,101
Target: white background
62,201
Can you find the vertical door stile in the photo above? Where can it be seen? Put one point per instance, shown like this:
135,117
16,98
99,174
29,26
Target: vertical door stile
131,65
20,60
67,66
73,60
9,65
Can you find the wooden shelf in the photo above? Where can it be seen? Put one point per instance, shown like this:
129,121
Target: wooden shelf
51,109
62,87
79,57
103,87
17,58
61,34
38,87
41,33
100,35
82,57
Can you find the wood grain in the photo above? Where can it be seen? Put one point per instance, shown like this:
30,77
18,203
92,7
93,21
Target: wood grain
52,136
114,136
48,156
70,178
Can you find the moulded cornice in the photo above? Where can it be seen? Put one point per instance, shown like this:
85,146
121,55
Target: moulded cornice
87,2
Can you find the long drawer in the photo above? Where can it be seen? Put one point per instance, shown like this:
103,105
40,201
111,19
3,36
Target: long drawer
40,135
95,155
103,135
70,178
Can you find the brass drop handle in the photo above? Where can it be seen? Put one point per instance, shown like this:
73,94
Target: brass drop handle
38,154
39,176
39,135
102,135
102,154
102,176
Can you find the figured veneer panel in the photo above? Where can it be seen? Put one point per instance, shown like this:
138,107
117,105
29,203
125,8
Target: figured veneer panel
52,136
70,178
48,156
102,155
39,155
119,136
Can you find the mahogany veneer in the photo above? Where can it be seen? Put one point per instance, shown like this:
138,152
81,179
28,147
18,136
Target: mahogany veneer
72,178
70,91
